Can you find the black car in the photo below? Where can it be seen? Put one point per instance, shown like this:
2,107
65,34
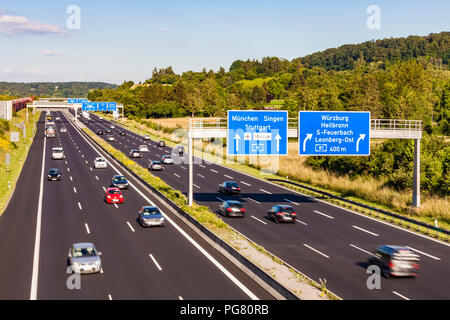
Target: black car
231,208
54,175
161,143
119,182
229,187
99,132
396,261
122,133
282,213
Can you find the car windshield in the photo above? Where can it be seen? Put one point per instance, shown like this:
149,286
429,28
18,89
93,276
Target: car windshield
120,180
53,171
167,157
135,151
84,252
100,160
233,184
150,211
114,192
286,209
156,162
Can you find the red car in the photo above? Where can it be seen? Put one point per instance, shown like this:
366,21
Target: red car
113,195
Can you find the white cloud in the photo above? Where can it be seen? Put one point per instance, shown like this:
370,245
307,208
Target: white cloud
164,29
11,25
52,53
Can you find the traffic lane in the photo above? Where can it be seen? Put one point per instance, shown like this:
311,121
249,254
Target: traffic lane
205,278
128,272
62,225
18,225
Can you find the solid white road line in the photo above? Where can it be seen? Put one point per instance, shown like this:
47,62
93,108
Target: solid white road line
79,206
358,248
155,262
254,200
311,248
425,254
37,240
323,214
200,175
292,202
247,184
259,220
367,231
130,226
87,228
401,296
181,231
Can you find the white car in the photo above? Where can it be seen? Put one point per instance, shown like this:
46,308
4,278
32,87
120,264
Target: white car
111,138
135,153
58,153
63,129
113,127
167,159
100,163
147,137
143,148
57,118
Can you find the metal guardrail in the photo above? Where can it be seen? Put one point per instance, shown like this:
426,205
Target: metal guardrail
385,212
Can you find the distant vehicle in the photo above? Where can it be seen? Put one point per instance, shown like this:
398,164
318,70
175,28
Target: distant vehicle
147,137
122,132
155,166
167,159
150,216
229,187
108,130
161,143
58,153
50,132
84,258
113,126
113,195
100,163
57,118
99,132
282,213
85,114
179,149
119,182
396,261
63,129
111,138
134,153
48,113
54,175
143,148
231,208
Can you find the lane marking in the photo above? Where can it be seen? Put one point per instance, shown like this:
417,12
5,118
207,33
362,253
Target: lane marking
183,167
323,214
196,186
130,226
87,228
79,206
109,297
176,175
180,297
68,169
367,231
115,205
401,296
37,240
265,191
104,188
155,262
220,199
358,248
304,223
227,176
200,175
71,178
292,202
247,184
202,166
254,200
215,171
86,162
96,177
91,169
425,254
74,190
311,248
259,220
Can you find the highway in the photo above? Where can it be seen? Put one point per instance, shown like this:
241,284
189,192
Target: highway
170,262
327,242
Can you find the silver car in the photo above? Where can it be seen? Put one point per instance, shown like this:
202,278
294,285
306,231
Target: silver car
84,258
150,216
147,137
143,148
155,165
135,153
63,129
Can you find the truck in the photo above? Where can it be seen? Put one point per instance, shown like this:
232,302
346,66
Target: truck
85,114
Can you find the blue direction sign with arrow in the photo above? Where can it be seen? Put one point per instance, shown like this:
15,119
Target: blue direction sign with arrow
334,133
102,106
257,132
89,106
112,106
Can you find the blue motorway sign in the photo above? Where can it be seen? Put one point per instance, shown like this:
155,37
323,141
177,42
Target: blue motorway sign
334,133
112,106
257,132
71,101
102,106
89,106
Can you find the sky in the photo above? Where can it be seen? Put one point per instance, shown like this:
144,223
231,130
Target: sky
113,41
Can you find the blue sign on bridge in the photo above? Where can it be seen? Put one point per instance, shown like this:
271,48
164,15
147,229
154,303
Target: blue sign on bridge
334,133
257,132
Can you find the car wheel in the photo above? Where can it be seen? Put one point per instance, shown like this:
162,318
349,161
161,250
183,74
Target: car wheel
385,273
275,218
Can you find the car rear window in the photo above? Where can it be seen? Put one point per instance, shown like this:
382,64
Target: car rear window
233,184
235,205
286,209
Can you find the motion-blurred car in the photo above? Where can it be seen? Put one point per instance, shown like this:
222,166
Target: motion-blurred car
229,187
84,258
231,208
100,163
113,195
150,216
155,165
58,153
108,130
111,138
161,143
113,126
122,133
119,182
167,159
396,261
147,137
282,213
134,153
54,175
100,132
179,150
143,148
63,129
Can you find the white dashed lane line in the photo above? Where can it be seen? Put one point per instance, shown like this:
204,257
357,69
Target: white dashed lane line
227,176
176,175
292,202
366,231
311,248
425,254
247,184
79,206
196,186
115,205
265,191
254,200
400,295
71,179
155,262
200,175
130,226
87,228
97,178
74,190
220,199
323,214
215,171
358,248
259,220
